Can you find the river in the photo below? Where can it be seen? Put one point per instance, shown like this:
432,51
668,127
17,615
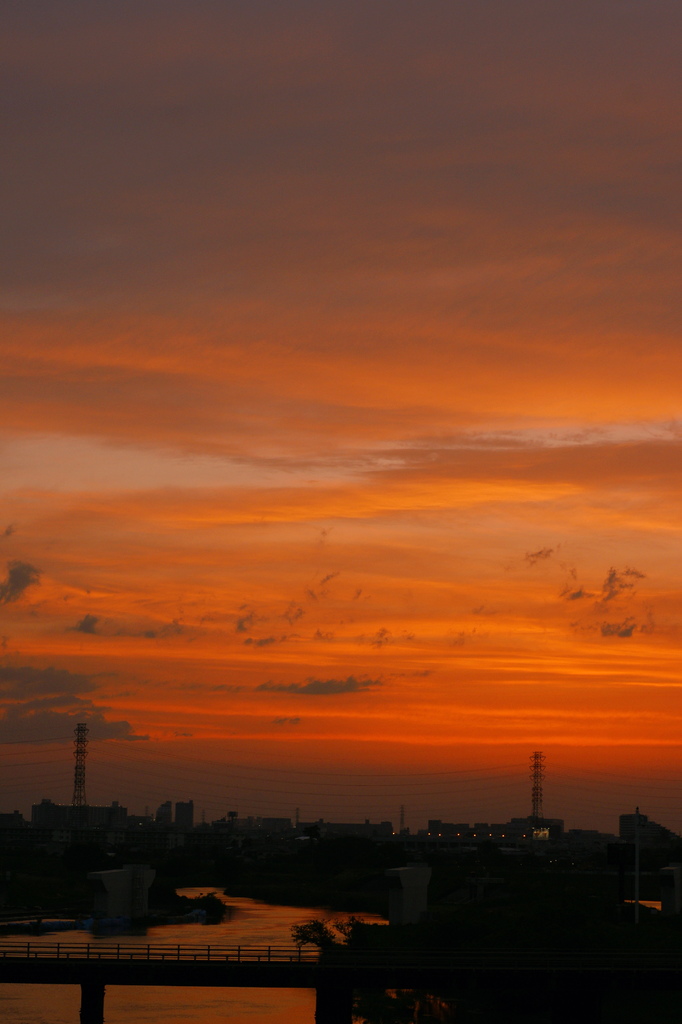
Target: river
247,922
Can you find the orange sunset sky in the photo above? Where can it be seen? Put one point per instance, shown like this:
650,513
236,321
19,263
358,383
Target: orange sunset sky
342,406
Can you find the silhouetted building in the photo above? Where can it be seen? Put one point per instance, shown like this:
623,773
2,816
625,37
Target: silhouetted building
516,828
275,824
15,819
368,829
448,829
164,813
47,814
184,815
649,833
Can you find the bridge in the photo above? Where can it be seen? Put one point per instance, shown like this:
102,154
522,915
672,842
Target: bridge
570,985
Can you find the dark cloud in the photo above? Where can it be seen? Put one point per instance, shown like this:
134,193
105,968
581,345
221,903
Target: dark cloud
624,629
532,557
463,636
87,624
265,641
322,687
293,613
319,635
20,576
575,595
383,637
34,723
316,595
174,628
25,681
44,703
245,622
94,625
286,721
617,583
9,530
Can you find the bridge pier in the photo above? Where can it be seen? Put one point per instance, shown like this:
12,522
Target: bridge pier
333,1003
92,1002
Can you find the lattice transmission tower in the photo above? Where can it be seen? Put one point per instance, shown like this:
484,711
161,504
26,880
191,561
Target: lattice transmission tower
80,752
537,774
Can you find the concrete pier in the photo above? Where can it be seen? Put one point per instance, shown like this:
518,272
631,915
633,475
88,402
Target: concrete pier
92,1002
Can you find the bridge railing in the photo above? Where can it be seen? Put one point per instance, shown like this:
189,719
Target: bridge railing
344,957
141,951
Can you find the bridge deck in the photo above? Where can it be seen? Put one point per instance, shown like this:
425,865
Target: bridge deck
572,983
167,959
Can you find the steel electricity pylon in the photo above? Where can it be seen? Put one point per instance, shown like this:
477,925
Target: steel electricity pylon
537,774
80,753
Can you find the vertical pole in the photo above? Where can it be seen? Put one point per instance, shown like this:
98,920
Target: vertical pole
636,865
92,1002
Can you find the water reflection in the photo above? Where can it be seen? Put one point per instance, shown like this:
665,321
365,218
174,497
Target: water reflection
247,922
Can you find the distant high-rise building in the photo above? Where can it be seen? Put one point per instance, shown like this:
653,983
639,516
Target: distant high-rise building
635,827
164,814
184,815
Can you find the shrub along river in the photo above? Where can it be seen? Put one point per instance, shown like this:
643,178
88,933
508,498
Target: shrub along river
247,922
